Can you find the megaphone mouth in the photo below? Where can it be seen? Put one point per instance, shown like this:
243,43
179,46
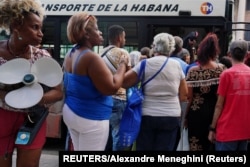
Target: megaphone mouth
29,79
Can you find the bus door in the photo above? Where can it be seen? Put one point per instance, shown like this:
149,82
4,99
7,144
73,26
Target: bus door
183,26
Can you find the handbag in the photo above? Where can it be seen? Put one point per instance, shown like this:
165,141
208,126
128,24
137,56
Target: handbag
131,118
183,144
32,124
35,118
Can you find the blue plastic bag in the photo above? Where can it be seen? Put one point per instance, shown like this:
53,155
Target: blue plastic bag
131,118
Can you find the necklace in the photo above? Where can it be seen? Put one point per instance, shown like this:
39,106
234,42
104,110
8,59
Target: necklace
12,53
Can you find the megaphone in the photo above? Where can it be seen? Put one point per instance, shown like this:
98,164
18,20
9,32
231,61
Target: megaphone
44,71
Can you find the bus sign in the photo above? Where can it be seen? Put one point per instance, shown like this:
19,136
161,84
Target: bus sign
135,8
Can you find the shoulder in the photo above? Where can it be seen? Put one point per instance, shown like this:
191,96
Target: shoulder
179,60
118,52
222,66
90,56
193,68
38,53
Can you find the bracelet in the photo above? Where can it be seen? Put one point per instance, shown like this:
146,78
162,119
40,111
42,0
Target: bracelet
211,129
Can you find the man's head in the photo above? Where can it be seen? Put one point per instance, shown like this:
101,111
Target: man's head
145,51
238,50
116,35
178,42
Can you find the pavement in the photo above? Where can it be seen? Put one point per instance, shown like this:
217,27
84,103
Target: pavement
48,159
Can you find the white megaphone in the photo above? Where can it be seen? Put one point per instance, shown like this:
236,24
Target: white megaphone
45,71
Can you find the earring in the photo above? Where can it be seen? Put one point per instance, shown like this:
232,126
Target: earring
19,37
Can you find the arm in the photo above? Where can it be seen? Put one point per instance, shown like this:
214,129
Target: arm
183,90
218,108
103,79
52,96
130,79
189,99
2,94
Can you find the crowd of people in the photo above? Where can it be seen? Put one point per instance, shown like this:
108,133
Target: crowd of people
216,89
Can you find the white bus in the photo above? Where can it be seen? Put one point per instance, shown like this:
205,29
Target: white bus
141,20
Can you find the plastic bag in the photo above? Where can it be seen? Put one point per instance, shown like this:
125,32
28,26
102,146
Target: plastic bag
183,143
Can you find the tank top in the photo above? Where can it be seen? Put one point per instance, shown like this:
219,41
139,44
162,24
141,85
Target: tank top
83,98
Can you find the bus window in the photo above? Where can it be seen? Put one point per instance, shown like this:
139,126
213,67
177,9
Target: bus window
130,27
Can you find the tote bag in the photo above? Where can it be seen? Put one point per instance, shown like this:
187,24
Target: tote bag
131,118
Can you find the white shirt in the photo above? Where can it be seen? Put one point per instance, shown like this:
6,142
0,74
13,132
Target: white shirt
161,93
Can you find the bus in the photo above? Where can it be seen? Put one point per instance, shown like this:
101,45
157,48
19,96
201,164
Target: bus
141,19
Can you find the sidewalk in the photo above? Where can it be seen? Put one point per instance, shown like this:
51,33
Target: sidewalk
48,159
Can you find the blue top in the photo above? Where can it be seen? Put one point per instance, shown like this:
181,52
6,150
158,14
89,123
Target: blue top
84,99
191,65
183,64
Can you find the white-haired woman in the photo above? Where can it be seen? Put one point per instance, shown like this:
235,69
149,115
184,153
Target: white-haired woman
161,107
135,57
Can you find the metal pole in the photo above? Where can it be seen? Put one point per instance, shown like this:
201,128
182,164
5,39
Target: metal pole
240,18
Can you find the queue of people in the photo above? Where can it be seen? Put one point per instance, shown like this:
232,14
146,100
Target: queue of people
95,87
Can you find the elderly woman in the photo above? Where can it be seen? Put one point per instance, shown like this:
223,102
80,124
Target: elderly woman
161,107
135,57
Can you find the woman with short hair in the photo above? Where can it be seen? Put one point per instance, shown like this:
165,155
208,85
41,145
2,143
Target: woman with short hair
161,107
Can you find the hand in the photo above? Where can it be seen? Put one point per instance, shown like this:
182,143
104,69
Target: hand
211,136
124,59
2,94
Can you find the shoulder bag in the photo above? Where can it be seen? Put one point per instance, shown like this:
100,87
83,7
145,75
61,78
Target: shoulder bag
131,118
